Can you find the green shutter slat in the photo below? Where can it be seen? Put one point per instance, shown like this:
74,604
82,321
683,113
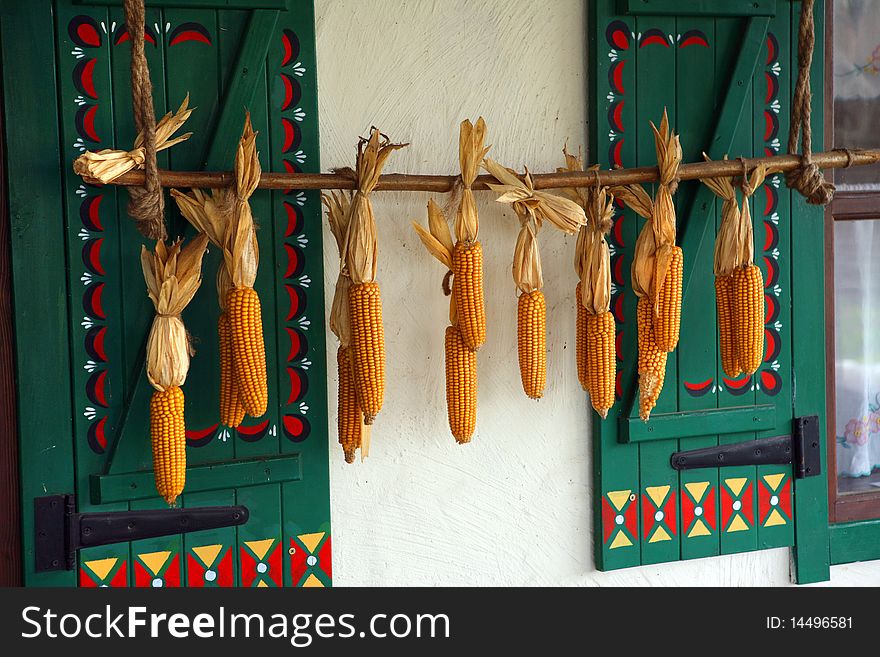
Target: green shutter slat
616,508
40,296
698,490
854,541
699,7
808,340
692,424
106,489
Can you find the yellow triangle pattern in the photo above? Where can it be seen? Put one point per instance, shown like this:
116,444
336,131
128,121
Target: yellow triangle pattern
208,553
774,480
737,524
736,484
657,494
155,560
619,498
660,535
775,518
260,548
312,582
699,529
311,541
697,489
262,585
621,540
102,567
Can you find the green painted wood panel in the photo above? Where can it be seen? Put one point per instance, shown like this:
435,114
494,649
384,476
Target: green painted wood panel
227,60
725,76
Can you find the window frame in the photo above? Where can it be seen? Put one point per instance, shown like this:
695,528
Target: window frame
846,206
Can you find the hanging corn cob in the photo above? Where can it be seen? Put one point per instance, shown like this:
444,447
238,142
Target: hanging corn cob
209,215
727,249
173,275
365,303
533,208
657,269
241,257
595,349
748,286
467,257
107,165
739,283
461,360
350,423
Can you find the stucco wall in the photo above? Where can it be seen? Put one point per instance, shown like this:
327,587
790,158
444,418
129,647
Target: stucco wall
514,507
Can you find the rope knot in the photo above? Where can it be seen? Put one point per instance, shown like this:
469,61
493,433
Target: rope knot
808,180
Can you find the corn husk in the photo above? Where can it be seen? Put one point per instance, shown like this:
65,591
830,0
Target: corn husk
361,242
240,250
654,246
471,152
107,165
746,239
173,275
338,206
592,261
727,241
437,239
533,208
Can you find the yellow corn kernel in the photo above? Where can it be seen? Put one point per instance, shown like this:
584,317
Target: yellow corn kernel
350,416
248,349
532,342
368,347
603,361
168,442
582,354
231,410
467,290
726,339
461,386
667,322
748,317
652,360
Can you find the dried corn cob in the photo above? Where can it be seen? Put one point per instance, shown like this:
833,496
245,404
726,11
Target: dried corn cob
360,254
667,322
461,359
368,347
601,333
532,342
726,333
748,286
241,256
350,422
168,438
532,208
248,350
461,386
652,360
582,351
467,258
173,275
727,250
596,357
467,292
231,410
748,317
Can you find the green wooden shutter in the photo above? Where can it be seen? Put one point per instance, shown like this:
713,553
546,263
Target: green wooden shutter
724,71
260,56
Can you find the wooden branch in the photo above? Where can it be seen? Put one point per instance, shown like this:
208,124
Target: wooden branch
401,182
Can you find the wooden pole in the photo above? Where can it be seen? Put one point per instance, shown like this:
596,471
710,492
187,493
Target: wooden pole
401,182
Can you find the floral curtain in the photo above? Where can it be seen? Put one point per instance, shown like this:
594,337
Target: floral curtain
857,345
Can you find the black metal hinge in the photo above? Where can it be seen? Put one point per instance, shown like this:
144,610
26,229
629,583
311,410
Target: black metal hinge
59,531
801,448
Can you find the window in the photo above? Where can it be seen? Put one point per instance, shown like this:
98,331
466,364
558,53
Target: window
853,268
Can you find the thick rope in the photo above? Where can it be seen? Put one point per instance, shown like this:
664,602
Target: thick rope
806,179
146,205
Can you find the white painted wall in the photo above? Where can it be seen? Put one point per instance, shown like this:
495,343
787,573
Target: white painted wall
514,507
